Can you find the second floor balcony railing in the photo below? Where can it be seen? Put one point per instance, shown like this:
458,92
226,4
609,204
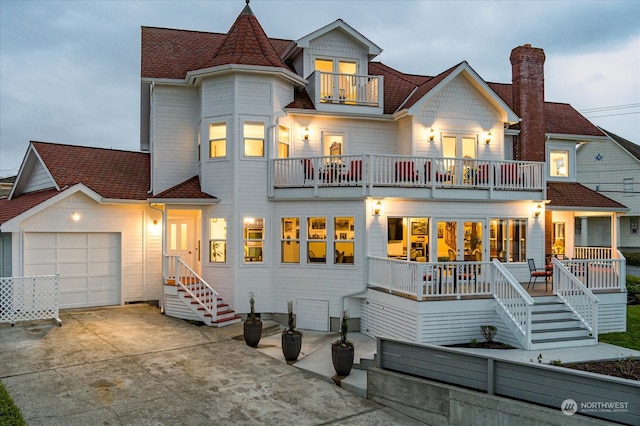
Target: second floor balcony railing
346,89
402,171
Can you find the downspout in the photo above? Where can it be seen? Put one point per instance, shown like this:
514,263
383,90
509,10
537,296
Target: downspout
151,107
164,259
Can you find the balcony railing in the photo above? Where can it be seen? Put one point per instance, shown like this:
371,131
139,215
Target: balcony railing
347,89
402,171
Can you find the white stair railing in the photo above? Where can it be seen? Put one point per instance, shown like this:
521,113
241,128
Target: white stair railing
514,304
183,276
576,296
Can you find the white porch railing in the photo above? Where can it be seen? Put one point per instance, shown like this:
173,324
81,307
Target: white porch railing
598,274
29,298
514,304
446,279
594,253
576,296
403,171
183,276
349,89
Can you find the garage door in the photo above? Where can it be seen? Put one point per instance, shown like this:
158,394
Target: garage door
88,264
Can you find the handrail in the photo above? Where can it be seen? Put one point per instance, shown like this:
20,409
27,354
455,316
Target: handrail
406,171
578,298
515,303
179,266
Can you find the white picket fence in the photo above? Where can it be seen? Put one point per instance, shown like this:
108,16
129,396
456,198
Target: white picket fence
29,298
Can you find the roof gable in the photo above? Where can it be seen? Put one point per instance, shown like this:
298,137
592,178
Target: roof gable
33,175
631,148
187,190
371,48
430,89
111,173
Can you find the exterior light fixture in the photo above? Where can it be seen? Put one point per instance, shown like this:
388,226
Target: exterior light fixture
487,140
537,211
377,208
305,134
432,135
75,216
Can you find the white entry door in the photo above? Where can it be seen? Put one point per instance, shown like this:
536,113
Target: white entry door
181,239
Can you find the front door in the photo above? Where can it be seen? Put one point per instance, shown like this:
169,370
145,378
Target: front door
181,239
460,240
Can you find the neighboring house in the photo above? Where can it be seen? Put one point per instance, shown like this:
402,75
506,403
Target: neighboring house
5,186
612,168
303,170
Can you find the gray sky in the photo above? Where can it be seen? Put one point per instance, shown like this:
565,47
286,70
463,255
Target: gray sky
69,70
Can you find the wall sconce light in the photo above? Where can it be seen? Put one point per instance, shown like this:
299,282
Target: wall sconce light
75,216
537,211
432,135
305,134
487,139
377,208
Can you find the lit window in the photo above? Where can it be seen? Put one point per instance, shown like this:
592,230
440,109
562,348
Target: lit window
316,240
344,240
253,139
333,144
283,142
217,140
559,163
508,239
253,239
290,242
218,240
558,238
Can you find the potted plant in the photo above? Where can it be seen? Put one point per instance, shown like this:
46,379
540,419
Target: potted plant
291,338
252,325
342,350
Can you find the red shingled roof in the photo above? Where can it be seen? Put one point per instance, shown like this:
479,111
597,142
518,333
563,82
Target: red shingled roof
246,44
188,189
168,53
573,194
111,173
12,208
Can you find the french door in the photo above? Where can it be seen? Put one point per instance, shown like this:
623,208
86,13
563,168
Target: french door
460,239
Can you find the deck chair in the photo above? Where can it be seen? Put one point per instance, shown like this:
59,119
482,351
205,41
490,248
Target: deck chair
535,273
308,169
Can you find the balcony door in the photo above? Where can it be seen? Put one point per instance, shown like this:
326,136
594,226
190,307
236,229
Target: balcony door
460,240
337,86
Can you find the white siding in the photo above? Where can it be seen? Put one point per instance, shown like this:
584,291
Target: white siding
174,135
217,97
139,279
39,179
335,44
612,312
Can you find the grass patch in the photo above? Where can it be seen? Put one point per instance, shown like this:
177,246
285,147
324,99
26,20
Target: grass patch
10,414
629,339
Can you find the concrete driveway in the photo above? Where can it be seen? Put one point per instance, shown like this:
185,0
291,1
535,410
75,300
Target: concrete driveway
133,365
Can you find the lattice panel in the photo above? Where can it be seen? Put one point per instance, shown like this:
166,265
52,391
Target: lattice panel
28,298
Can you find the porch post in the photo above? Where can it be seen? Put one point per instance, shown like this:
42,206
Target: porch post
615,230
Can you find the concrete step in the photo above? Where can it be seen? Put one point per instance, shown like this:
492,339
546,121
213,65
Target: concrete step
559,333
551,315
562,343
554,324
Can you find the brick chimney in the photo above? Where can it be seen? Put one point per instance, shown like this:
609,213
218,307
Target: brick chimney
527,70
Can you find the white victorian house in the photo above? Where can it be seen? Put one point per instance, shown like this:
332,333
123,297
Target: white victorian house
305,170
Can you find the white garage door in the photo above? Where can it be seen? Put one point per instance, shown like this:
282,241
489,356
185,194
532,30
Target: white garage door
88,264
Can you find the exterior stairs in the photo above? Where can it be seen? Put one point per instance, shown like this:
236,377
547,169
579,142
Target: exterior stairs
194,306
553,325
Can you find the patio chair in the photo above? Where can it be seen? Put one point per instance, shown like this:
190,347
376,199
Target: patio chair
307,165
354,174
535,273
405,172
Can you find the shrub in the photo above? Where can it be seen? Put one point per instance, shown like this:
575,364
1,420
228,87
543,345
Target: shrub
633,288
633,259
488,332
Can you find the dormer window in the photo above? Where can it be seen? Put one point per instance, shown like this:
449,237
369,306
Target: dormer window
340,75
558,163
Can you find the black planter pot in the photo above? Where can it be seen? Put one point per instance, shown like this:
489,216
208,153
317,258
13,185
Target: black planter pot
291,346
342,358
252,333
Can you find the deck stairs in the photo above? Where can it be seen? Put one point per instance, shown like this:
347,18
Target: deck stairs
553,325
197,299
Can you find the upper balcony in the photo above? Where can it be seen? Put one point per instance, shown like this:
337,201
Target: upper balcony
362,94
359,176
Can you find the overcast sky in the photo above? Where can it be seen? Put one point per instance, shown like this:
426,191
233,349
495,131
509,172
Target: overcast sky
70,70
